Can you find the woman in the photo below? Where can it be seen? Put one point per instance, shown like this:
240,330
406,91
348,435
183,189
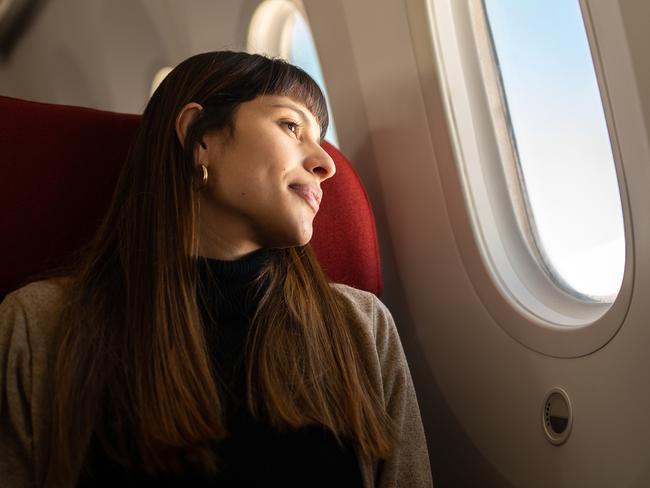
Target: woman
198,342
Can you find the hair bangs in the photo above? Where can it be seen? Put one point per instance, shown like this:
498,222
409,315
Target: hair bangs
288,80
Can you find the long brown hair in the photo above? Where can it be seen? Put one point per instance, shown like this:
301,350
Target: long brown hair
132,365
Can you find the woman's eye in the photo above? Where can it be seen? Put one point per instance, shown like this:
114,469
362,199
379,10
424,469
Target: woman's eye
292,126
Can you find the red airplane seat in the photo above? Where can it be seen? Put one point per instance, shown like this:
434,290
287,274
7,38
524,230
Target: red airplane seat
60,165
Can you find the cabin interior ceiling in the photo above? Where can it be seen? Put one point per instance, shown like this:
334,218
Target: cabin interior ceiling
105,53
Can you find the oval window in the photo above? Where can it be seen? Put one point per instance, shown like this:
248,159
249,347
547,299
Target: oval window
279,28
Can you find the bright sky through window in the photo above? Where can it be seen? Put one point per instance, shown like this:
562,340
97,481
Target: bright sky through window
562,140
303,53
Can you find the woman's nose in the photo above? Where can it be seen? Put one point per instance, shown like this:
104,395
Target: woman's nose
321,164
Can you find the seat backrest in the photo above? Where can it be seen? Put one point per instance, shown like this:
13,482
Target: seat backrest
59,166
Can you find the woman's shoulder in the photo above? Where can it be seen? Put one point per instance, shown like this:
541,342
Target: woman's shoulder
38,297
365,309
359,304
28,319
30,312
361,299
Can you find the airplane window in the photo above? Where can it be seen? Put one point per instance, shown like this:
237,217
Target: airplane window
278,28
160,75
559,141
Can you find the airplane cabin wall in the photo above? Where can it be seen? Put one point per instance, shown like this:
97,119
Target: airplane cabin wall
636,15
493,384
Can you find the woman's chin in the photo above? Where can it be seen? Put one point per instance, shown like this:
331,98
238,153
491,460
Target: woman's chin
301,233
302,238
306,235
296,238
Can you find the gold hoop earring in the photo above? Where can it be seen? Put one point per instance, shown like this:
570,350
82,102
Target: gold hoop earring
204,178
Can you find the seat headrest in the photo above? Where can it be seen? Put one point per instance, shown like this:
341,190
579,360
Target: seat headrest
60,165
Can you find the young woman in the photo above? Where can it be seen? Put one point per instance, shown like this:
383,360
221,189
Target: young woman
198,342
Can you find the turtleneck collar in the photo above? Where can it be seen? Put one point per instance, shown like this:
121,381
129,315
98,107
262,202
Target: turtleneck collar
227,288
242,268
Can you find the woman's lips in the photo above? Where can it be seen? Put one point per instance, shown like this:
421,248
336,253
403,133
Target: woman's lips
312,195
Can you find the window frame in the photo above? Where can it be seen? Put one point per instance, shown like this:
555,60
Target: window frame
267,28
505,267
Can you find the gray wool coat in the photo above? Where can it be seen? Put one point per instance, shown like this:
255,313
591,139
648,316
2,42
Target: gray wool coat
27,357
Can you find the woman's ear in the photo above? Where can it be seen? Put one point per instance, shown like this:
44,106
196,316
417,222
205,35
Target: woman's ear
185,117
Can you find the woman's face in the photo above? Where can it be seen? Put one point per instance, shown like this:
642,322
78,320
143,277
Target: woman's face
263,186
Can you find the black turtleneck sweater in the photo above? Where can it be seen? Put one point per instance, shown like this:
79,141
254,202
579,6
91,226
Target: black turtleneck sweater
254,454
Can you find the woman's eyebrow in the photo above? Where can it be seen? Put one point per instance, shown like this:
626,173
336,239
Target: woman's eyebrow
301,113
